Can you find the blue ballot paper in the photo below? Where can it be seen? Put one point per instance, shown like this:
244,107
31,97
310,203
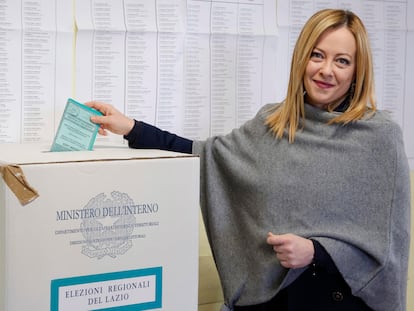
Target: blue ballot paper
76,131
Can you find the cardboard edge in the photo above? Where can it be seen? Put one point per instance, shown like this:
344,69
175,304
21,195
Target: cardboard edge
110,159
14,177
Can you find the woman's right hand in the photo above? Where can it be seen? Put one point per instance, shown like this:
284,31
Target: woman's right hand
112,119
292,251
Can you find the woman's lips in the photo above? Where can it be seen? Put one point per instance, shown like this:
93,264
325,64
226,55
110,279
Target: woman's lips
323,85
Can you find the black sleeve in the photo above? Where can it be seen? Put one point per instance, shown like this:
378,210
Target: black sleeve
146,136
322,259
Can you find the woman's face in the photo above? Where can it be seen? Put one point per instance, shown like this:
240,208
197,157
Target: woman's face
331,67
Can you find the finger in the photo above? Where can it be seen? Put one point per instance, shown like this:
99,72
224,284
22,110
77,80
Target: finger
102,107
94,104
95,119
269,238
278,250
102,131
276,239
284,261
100,119
286,264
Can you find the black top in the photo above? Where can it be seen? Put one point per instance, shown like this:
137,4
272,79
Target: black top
146,136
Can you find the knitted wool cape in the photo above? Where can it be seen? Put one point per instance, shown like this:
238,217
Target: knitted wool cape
346,186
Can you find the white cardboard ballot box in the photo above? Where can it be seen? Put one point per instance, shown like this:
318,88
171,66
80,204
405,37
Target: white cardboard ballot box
109,229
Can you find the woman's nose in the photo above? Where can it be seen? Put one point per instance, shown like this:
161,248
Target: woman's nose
326,68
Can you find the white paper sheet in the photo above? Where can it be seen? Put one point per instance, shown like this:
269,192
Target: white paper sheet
194,67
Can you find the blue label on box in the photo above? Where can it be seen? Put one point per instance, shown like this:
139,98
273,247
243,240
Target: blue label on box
127,290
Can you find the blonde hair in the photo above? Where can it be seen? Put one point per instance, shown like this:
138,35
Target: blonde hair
289,115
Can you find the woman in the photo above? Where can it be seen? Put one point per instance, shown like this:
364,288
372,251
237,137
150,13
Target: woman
306,206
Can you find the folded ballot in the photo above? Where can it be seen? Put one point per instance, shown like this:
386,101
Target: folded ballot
76,131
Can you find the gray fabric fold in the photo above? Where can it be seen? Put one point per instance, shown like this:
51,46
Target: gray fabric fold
346,186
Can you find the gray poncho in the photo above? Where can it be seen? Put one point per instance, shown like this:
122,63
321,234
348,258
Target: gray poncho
346,186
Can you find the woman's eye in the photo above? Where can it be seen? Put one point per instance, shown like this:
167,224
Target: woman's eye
316,55
343,61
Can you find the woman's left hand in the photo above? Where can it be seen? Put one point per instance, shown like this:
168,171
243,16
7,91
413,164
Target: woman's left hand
291,250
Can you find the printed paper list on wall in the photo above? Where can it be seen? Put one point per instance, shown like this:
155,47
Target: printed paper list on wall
35,67
194,67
